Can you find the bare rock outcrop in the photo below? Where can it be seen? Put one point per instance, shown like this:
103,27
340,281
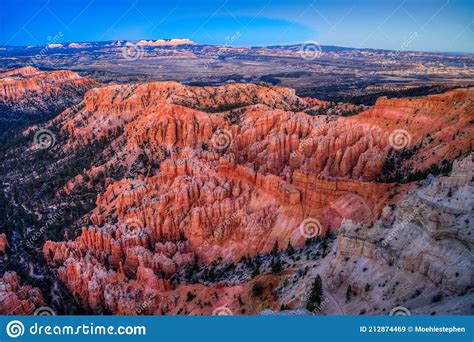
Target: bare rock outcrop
27,92
17,299
424,252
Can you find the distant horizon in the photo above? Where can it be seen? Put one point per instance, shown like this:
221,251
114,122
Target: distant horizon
396,25
231,46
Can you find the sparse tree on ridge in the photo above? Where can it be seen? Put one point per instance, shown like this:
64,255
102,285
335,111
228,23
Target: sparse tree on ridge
314,299
275,248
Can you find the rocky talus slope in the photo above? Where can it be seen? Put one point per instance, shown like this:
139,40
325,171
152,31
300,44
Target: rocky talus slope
199,175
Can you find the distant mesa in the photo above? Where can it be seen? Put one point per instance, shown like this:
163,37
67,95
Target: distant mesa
77,45
159,42
163,42
115,43
54,46
70,46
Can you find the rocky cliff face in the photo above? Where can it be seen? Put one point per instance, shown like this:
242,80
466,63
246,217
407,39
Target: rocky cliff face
28,94
199,175
434,128
418,255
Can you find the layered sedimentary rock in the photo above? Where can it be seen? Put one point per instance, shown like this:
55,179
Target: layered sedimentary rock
28,93
218,173
420,251
435,128
17,299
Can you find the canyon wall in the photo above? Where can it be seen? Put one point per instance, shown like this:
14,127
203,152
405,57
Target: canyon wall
230,170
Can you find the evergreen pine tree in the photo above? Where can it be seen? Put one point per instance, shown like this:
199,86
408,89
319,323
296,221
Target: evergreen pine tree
314,299
276,265
348,293
275,248
290,250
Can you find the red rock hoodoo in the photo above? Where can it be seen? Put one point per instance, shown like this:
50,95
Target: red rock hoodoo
240,166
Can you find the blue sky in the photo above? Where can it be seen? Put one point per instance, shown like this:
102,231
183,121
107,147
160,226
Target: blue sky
436,25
